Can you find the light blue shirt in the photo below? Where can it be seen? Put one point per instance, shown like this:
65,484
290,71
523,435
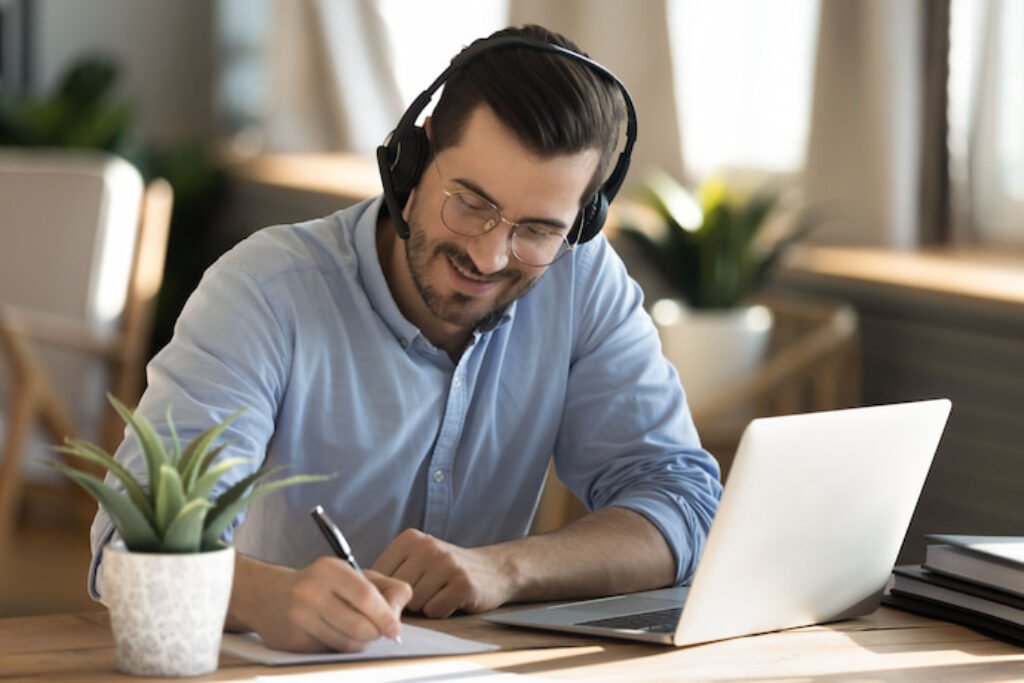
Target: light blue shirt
298,322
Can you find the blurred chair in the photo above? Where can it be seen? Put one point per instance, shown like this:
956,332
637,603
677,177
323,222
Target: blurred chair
81,264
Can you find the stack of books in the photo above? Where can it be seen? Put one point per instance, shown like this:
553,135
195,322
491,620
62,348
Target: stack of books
976,581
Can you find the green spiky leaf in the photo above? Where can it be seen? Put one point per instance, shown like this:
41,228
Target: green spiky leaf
92,453
713,253
136,531
170,497
150,442
240,487
206,482
171,511
192,462
185,533
221,516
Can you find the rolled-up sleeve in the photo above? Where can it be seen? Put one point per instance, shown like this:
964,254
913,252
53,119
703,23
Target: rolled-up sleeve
627,438
229,350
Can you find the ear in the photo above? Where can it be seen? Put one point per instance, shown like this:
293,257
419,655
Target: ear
407,209
428,128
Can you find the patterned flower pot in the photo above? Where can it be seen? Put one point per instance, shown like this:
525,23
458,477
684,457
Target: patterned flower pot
167,611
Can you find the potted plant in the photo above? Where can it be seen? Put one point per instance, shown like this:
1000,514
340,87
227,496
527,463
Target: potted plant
713,250
167,580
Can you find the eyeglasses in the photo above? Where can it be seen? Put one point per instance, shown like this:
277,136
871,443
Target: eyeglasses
468,214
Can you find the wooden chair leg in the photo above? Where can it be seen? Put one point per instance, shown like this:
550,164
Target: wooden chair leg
33,400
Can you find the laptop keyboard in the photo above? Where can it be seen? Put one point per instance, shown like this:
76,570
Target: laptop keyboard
658,621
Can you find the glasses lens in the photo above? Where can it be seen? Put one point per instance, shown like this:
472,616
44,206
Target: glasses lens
467,214
536,246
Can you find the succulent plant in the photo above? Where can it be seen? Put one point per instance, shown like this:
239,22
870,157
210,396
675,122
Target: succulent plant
175,512
716,248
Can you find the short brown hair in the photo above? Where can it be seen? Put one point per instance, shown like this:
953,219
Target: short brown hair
552,104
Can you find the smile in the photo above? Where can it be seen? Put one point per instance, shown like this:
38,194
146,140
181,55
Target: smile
468,282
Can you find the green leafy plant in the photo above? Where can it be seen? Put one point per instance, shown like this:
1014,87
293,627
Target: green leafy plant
174,513
79,113
717,248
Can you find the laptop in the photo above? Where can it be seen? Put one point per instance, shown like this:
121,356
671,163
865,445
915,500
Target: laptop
810,523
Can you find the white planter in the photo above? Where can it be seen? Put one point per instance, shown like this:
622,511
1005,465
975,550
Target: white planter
712,349
167,611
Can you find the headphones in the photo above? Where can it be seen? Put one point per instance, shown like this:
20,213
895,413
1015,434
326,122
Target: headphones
406,151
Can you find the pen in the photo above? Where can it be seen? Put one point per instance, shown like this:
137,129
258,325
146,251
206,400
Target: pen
337,541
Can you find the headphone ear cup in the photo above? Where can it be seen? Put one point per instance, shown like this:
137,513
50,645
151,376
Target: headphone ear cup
594,215
409,151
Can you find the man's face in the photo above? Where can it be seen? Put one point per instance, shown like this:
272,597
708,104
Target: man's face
464,280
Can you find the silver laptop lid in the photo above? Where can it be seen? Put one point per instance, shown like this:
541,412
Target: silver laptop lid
812,518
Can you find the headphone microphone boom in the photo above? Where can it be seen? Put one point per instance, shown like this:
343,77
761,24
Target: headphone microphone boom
406,151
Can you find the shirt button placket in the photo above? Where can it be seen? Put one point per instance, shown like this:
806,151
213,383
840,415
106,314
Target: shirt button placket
439,493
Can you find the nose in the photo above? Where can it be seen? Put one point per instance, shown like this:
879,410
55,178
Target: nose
490,251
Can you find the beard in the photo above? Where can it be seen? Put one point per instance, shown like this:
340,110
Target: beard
457,308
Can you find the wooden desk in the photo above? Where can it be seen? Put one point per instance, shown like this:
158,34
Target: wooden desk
888,645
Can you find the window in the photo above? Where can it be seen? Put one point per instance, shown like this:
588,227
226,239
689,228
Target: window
426,35
744,72
986,108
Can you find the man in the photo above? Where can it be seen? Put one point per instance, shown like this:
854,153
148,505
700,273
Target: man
438,374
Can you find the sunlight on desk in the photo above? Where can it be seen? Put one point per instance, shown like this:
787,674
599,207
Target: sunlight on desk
885,646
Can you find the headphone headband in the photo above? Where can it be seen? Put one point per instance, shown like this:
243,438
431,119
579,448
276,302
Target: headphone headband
405,152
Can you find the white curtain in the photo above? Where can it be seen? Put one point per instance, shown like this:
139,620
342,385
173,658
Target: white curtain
631,39
987,121
331,84
865,138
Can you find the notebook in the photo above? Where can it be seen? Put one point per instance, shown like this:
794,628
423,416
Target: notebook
810,523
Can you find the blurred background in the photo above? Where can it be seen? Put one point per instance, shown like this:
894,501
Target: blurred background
853,169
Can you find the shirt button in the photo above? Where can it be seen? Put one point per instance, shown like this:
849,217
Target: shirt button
438,476
404,343
458,381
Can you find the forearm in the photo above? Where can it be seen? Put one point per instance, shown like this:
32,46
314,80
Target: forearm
609,551
253,582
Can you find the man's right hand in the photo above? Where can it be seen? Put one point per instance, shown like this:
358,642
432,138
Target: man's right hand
325,606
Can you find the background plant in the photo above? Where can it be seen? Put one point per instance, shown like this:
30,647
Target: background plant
717,248
85,111
174,513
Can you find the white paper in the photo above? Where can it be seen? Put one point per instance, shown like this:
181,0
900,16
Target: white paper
463,672
416,642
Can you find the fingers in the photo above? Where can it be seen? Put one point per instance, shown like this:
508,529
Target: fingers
438,572
341,608
363,609
396,592
400,550
443,603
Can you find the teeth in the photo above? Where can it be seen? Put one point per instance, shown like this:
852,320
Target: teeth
463,273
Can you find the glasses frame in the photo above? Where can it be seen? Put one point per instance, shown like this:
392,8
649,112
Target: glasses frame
514,227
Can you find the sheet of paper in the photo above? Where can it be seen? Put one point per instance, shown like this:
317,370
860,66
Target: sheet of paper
416,642
434,672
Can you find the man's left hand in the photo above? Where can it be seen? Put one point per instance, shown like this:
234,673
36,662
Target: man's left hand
445,577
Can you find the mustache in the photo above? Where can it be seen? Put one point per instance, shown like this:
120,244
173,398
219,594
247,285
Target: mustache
463,261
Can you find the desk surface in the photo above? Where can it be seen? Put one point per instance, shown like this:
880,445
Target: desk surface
888,645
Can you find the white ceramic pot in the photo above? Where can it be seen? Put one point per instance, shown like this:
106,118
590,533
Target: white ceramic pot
167,611
712,349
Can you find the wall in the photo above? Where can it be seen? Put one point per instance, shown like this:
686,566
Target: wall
920,343
164,48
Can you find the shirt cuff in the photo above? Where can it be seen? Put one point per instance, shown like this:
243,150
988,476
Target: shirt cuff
95,567
678,524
